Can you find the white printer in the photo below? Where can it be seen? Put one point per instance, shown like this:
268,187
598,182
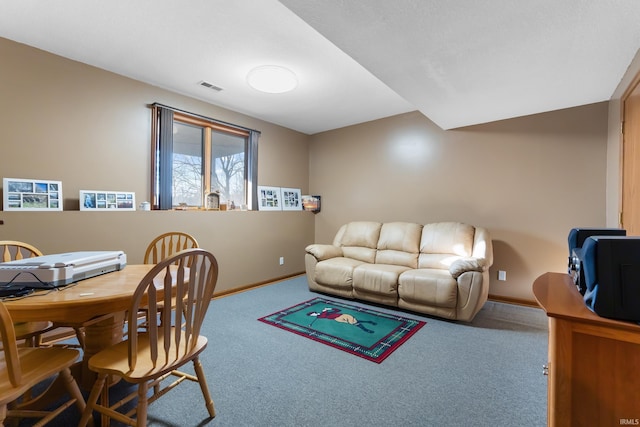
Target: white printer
51,271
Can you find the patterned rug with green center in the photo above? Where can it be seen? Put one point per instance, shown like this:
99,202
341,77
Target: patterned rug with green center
367,333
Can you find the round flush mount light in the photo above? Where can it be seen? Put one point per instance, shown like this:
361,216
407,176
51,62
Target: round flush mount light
272,79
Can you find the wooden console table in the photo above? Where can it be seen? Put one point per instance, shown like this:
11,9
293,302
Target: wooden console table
594,362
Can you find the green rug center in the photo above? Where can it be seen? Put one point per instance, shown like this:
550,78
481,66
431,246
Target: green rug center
364,332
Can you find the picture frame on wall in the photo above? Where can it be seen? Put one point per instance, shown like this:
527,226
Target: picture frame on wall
100,200
291,199
269,198
31,195
311,203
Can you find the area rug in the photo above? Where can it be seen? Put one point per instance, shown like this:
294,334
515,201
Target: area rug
366,333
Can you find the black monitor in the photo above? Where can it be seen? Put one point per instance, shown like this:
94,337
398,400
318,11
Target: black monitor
577,236
611,269
576,239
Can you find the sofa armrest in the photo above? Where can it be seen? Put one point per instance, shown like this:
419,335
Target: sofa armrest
322,252
463,265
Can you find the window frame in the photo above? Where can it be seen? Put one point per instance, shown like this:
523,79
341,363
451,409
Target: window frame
163,141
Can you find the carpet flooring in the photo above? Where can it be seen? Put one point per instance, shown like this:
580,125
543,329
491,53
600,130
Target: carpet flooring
484,373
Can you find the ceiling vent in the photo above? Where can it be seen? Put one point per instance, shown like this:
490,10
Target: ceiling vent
210,86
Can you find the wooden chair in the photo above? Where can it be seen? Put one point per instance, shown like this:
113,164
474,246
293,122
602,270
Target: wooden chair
163,247
168,244
28,332
150,355
24,367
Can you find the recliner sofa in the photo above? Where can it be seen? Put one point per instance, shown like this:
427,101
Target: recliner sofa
440,269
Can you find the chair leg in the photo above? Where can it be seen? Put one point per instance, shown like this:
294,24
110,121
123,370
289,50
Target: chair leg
79,336
105,420
74,391
141,410
96,390
208,401
3,414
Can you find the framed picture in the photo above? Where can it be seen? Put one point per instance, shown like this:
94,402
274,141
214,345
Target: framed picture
95,200
311,203
269,198
212,202
291,199
32,195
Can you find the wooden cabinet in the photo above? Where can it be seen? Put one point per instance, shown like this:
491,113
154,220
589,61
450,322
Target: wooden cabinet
594,362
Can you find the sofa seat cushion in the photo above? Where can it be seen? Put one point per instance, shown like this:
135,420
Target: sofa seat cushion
434,287
336,272
377,278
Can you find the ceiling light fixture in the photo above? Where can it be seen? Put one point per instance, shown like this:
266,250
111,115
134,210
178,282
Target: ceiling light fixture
272,79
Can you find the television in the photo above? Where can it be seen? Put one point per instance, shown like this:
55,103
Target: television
611,269
577,236
576,239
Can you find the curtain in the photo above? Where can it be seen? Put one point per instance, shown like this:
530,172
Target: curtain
252,172
165,158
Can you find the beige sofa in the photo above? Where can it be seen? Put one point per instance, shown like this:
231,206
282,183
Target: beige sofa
440,269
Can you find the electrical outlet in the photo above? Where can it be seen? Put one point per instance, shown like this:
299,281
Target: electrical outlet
281,260
502,275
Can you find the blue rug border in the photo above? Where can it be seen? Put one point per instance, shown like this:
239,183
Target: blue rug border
377,353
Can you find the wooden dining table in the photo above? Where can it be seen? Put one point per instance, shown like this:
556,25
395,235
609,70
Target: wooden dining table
106,298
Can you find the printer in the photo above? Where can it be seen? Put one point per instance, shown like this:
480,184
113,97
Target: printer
55,270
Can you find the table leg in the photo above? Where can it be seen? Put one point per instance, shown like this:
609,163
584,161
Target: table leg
98,336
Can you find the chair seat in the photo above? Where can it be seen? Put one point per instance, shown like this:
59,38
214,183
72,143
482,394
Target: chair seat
26,329
37,365
115,359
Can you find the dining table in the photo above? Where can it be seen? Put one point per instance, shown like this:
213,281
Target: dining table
98,303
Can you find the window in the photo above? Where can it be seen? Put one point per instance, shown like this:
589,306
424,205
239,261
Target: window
195,155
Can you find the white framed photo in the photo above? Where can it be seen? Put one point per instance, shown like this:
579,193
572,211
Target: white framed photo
291,199
101,200
31,195
269,198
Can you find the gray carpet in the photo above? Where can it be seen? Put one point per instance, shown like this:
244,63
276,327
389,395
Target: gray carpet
484,373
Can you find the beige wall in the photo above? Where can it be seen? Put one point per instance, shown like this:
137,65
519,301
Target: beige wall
528,180
63,120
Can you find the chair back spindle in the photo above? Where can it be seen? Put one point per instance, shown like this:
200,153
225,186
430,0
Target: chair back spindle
188,278
15,250
168,244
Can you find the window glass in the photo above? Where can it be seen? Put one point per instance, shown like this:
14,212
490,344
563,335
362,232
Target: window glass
228,172
188,145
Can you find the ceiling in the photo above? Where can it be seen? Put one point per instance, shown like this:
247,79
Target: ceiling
459,63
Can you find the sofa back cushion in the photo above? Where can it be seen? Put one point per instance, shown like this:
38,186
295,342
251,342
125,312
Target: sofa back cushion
444,242
399,244
359,240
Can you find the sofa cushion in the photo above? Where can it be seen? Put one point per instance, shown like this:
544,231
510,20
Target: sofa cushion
360,239
361,233
443,243
377,278
399,244
434,287
336,272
